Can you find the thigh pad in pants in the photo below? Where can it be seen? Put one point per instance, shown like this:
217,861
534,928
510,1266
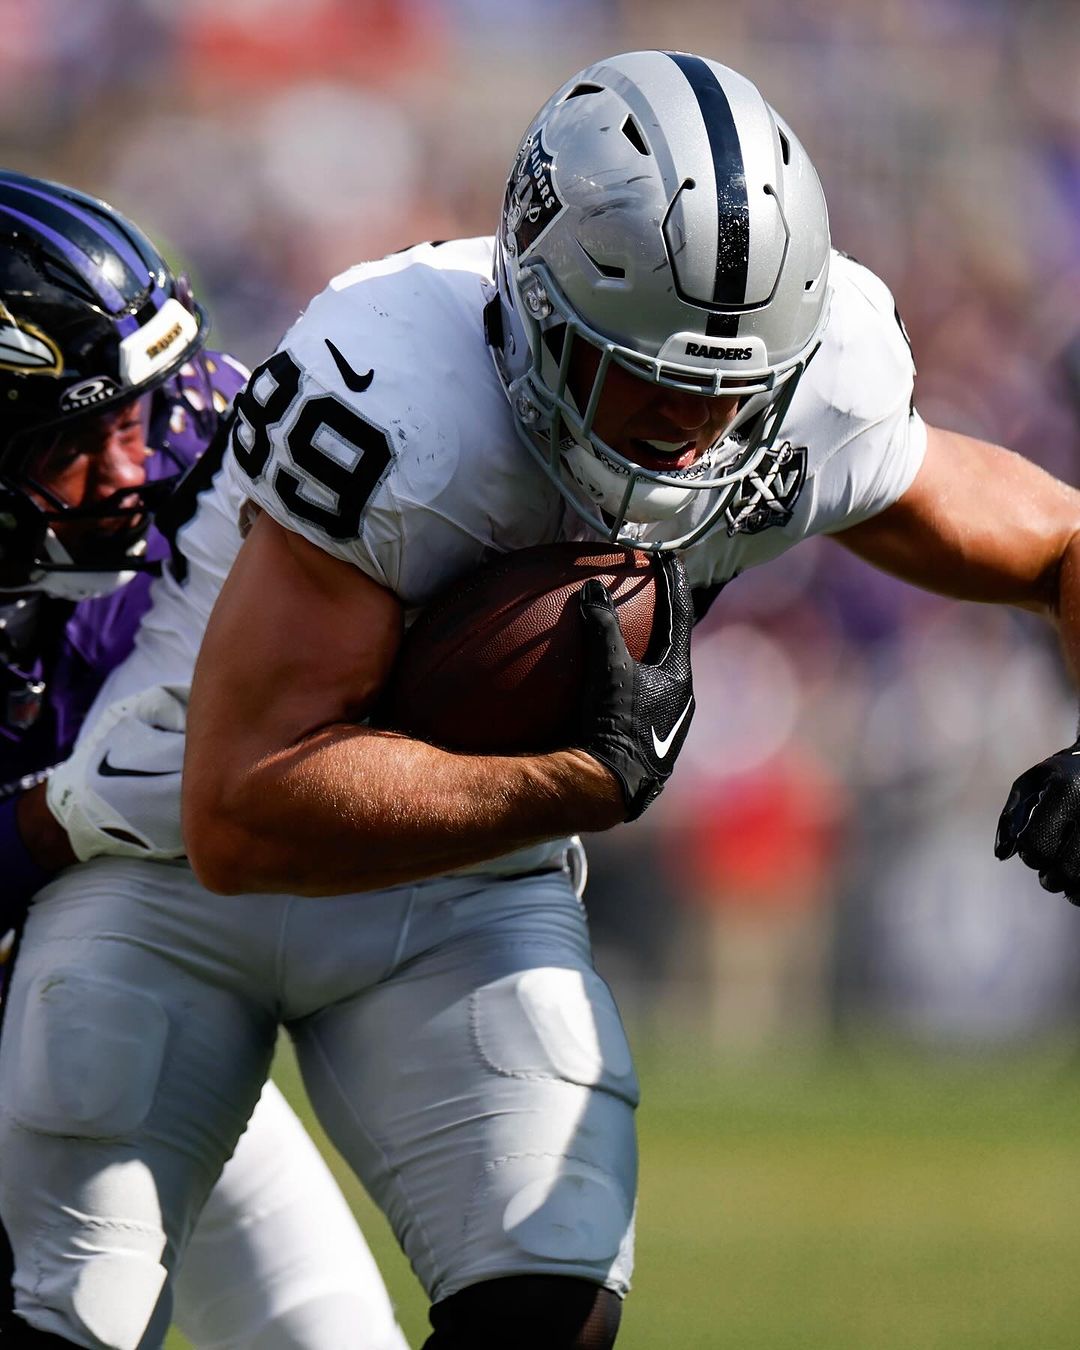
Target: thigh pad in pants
84,1055
113,1120
485,1091
89,1056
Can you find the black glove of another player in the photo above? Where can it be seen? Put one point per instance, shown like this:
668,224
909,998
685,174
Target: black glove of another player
1041,822
636,716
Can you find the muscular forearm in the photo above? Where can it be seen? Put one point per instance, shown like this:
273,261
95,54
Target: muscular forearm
353,809
1067,606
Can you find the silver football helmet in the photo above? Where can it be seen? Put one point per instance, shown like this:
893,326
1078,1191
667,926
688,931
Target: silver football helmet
660,210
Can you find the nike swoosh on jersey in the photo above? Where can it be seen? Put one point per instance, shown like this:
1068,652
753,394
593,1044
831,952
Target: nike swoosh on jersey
107,770
357,383
662,747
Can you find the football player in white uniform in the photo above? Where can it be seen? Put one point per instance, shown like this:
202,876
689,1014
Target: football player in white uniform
659,348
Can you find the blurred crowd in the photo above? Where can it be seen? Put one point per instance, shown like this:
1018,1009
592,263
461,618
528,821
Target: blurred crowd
823,859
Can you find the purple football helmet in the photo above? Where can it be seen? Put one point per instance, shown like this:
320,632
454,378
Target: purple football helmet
91,317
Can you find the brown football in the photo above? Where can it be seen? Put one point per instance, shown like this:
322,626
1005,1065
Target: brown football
496,664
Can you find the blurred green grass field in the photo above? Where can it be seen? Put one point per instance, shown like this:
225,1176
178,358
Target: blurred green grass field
853,1200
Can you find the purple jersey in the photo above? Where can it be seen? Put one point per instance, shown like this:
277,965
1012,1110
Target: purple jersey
59,652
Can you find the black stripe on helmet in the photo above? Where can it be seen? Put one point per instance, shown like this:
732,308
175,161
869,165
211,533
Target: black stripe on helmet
732,205
721,325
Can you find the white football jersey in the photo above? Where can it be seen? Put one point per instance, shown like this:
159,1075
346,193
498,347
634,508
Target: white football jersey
380,432
415,473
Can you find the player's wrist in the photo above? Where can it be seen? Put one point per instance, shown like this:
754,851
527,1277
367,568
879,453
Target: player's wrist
43,837
601,800
23,873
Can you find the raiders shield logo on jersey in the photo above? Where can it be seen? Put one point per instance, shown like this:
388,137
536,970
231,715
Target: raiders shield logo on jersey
767,496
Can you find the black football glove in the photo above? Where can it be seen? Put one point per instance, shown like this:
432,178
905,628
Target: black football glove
1041,822
636,716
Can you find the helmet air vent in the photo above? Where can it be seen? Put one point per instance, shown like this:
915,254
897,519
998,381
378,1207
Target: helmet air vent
785,146
580,89
66,277
632,132
605,269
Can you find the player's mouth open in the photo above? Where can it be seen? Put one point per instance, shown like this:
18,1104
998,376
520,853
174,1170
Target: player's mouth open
663,455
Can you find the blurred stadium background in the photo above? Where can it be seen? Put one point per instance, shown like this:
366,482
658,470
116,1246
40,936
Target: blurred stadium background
857,1031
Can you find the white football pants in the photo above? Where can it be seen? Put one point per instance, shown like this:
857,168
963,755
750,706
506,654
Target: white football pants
276,1260
454,1039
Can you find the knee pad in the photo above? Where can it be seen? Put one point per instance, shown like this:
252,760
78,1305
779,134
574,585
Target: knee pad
529,1312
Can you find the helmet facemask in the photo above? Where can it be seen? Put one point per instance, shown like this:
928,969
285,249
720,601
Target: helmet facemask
72,552
597,245
611,492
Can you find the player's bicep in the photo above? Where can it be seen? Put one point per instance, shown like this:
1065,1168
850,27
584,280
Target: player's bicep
297,641
978,523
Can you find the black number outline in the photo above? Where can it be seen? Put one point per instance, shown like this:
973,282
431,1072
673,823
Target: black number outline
258,415
352,486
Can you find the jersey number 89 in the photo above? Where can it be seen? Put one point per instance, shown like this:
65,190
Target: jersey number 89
349,485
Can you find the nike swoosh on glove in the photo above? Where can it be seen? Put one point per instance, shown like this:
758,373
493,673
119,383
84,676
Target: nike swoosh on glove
1041,822
636,715
119,793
